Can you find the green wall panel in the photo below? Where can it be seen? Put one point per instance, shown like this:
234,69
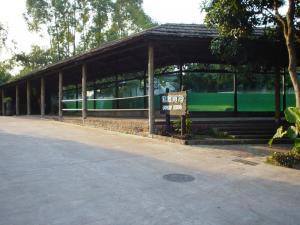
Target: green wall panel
210,102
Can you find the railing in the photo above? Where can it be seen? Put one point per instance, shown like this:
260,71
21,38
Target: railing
103,100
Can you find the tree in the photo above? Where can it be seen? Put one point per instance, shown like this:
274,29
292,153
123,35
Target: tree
74,26
238,18
100,11
5,67
34,60
3,36
128,17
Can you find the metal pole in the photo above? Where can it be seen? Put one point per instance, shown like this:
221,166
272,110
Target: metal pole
151,88
60,95
17,101
28,98
84,98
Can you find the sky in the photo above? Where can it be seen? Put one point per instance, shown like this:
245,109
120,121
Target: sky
161,11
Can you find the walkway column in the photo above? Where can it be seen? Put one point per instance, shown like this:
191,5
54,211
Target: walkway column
277,95
180,76
60,95
151,88
145,88
77,96
117,92
3,103
84,99
42,97
17,101
28,98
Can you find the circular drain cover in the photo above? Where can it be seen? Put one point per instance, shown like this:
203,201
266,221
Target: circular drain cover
179,178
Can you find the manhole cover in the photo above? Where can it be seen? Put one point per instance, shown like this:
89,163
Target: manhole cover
179,178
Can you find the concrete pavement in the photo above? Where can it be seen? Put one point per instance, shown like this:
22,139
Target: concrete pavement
53,173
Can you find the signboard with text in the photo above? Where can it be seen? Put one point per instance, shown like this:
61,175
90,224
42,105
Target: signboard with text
174,103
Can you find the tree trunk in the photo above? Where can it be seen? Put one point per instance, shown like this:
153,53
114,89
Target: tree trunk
290,37
293,71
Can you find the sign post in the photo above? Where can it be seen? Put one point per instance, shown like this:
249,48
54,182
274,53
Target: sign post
175,104
168,118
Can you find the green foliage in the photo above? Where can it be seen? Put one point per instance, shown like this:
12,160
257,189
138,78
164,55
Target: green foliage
75,26
292,115
236,20
127,17
280,133
34,60
5,75
3,36
177,125
7,99
228,49
289,159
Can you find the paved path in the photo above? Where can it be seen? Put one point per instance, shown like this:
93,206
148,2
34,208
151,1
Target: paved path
55,173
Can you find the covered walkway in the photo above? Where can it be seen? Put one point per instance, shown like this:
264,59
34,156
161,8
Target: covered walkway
97,83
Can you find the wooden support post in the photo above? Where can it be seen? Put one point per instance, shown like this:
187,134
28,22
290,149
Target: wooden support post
42,97
3,102
60,95
77,96
235,94
83,87
180,76
145,89
168,119
95,95
183,118
28,95
117,92
17,101
151,88
277,95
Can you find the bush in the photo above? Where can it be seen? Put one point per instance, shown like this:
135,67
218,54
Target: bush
289,159
7,99
177,125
